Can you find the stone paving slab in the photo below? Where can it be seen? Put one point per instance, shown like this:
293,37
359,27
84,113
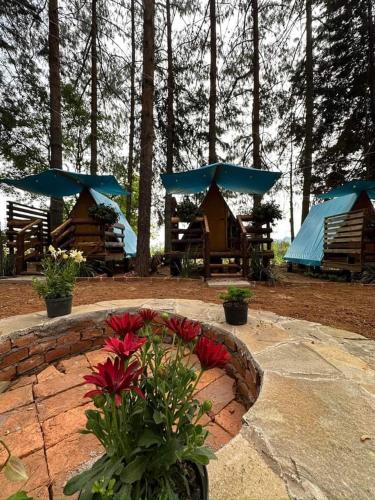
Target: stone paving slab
310,434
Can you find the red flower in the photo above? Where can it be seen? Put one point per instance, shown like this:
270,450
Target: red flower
211,354
184,328
113,378
147,315
125,323
124,348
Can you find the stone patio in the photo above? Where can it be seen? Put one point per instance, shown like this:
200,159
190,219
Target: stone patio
310,433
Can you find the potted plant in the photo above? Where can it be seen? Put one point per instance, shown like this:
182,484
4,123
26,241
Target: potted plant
60,269
235,305
104,214
266,212
187,210
146,416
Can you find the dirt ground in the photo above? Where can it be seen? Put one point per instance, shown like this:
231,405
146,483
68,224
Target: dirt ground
341,305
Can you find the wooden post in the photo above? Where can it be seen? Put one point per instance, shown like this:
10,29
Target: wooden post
207,270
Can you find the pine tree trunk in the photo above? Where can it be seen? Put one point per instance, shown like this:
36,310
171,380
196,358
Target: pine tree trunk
371,83
257,162
94,93
291,192
132,116
309,108
170,130
56,204
212,157
147,139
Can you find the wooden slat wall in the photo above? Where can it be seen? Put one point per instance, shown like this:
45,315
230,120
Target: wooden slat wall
18,212
345,241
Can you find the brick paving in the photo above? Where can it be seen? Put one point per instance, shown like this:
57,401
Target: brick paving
41,416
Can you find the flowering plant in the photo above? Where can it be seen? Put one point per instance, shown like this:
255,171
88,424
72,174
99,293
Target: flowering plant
60,269
147,416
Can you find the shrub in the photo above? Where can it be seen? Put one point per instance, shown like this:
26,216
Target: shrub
234,294
104,214
267,212
187,210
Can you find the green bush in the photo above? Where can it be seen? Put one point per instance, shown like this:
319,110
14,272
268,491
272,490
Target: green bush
268,211
187,210
279,249
234,294
104,214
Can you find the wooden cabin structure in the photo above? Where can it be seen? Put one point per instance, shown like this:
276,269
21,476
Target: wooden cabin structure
82,232
349,238
225,243
29,229
29,234
338,234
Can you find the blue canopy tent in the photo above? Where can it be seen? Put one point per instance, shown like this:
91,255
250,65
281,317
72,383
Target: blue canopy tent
225,175
219,234
308,246
130,236
58,183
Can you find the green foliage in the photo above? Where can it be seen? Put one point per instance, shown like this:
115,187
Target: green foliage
235,294
339,277
267,212
187,210
279,249
60,270
260,272
147,440
368,276
6,260
20,495
104,214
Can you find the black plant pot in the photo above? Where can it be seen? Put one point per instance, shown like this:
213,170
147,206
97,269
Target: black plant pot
235,312
201,476
59,307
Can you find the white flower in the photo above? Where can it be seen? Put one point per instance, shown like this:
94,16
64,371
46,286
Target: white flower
65,256
52,249
77,256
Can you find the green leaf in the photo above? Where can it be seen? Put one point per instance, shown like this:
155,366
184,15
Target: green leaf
134,471
159,417
200,455
76,483
20,495
167,454
15,470
148,438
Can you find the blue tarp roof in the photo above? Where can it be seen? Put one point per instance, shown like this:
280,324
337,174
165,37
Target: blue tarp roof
130,236
59,183
226,175
307,247
355,186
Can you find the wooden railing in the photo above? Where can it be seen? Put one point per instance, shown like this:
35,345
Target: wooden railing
255,236
93,239
28,242
27,233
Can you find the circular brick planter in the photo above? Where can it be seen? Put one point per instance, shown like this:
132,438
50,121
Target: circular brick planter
309,430
30,350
